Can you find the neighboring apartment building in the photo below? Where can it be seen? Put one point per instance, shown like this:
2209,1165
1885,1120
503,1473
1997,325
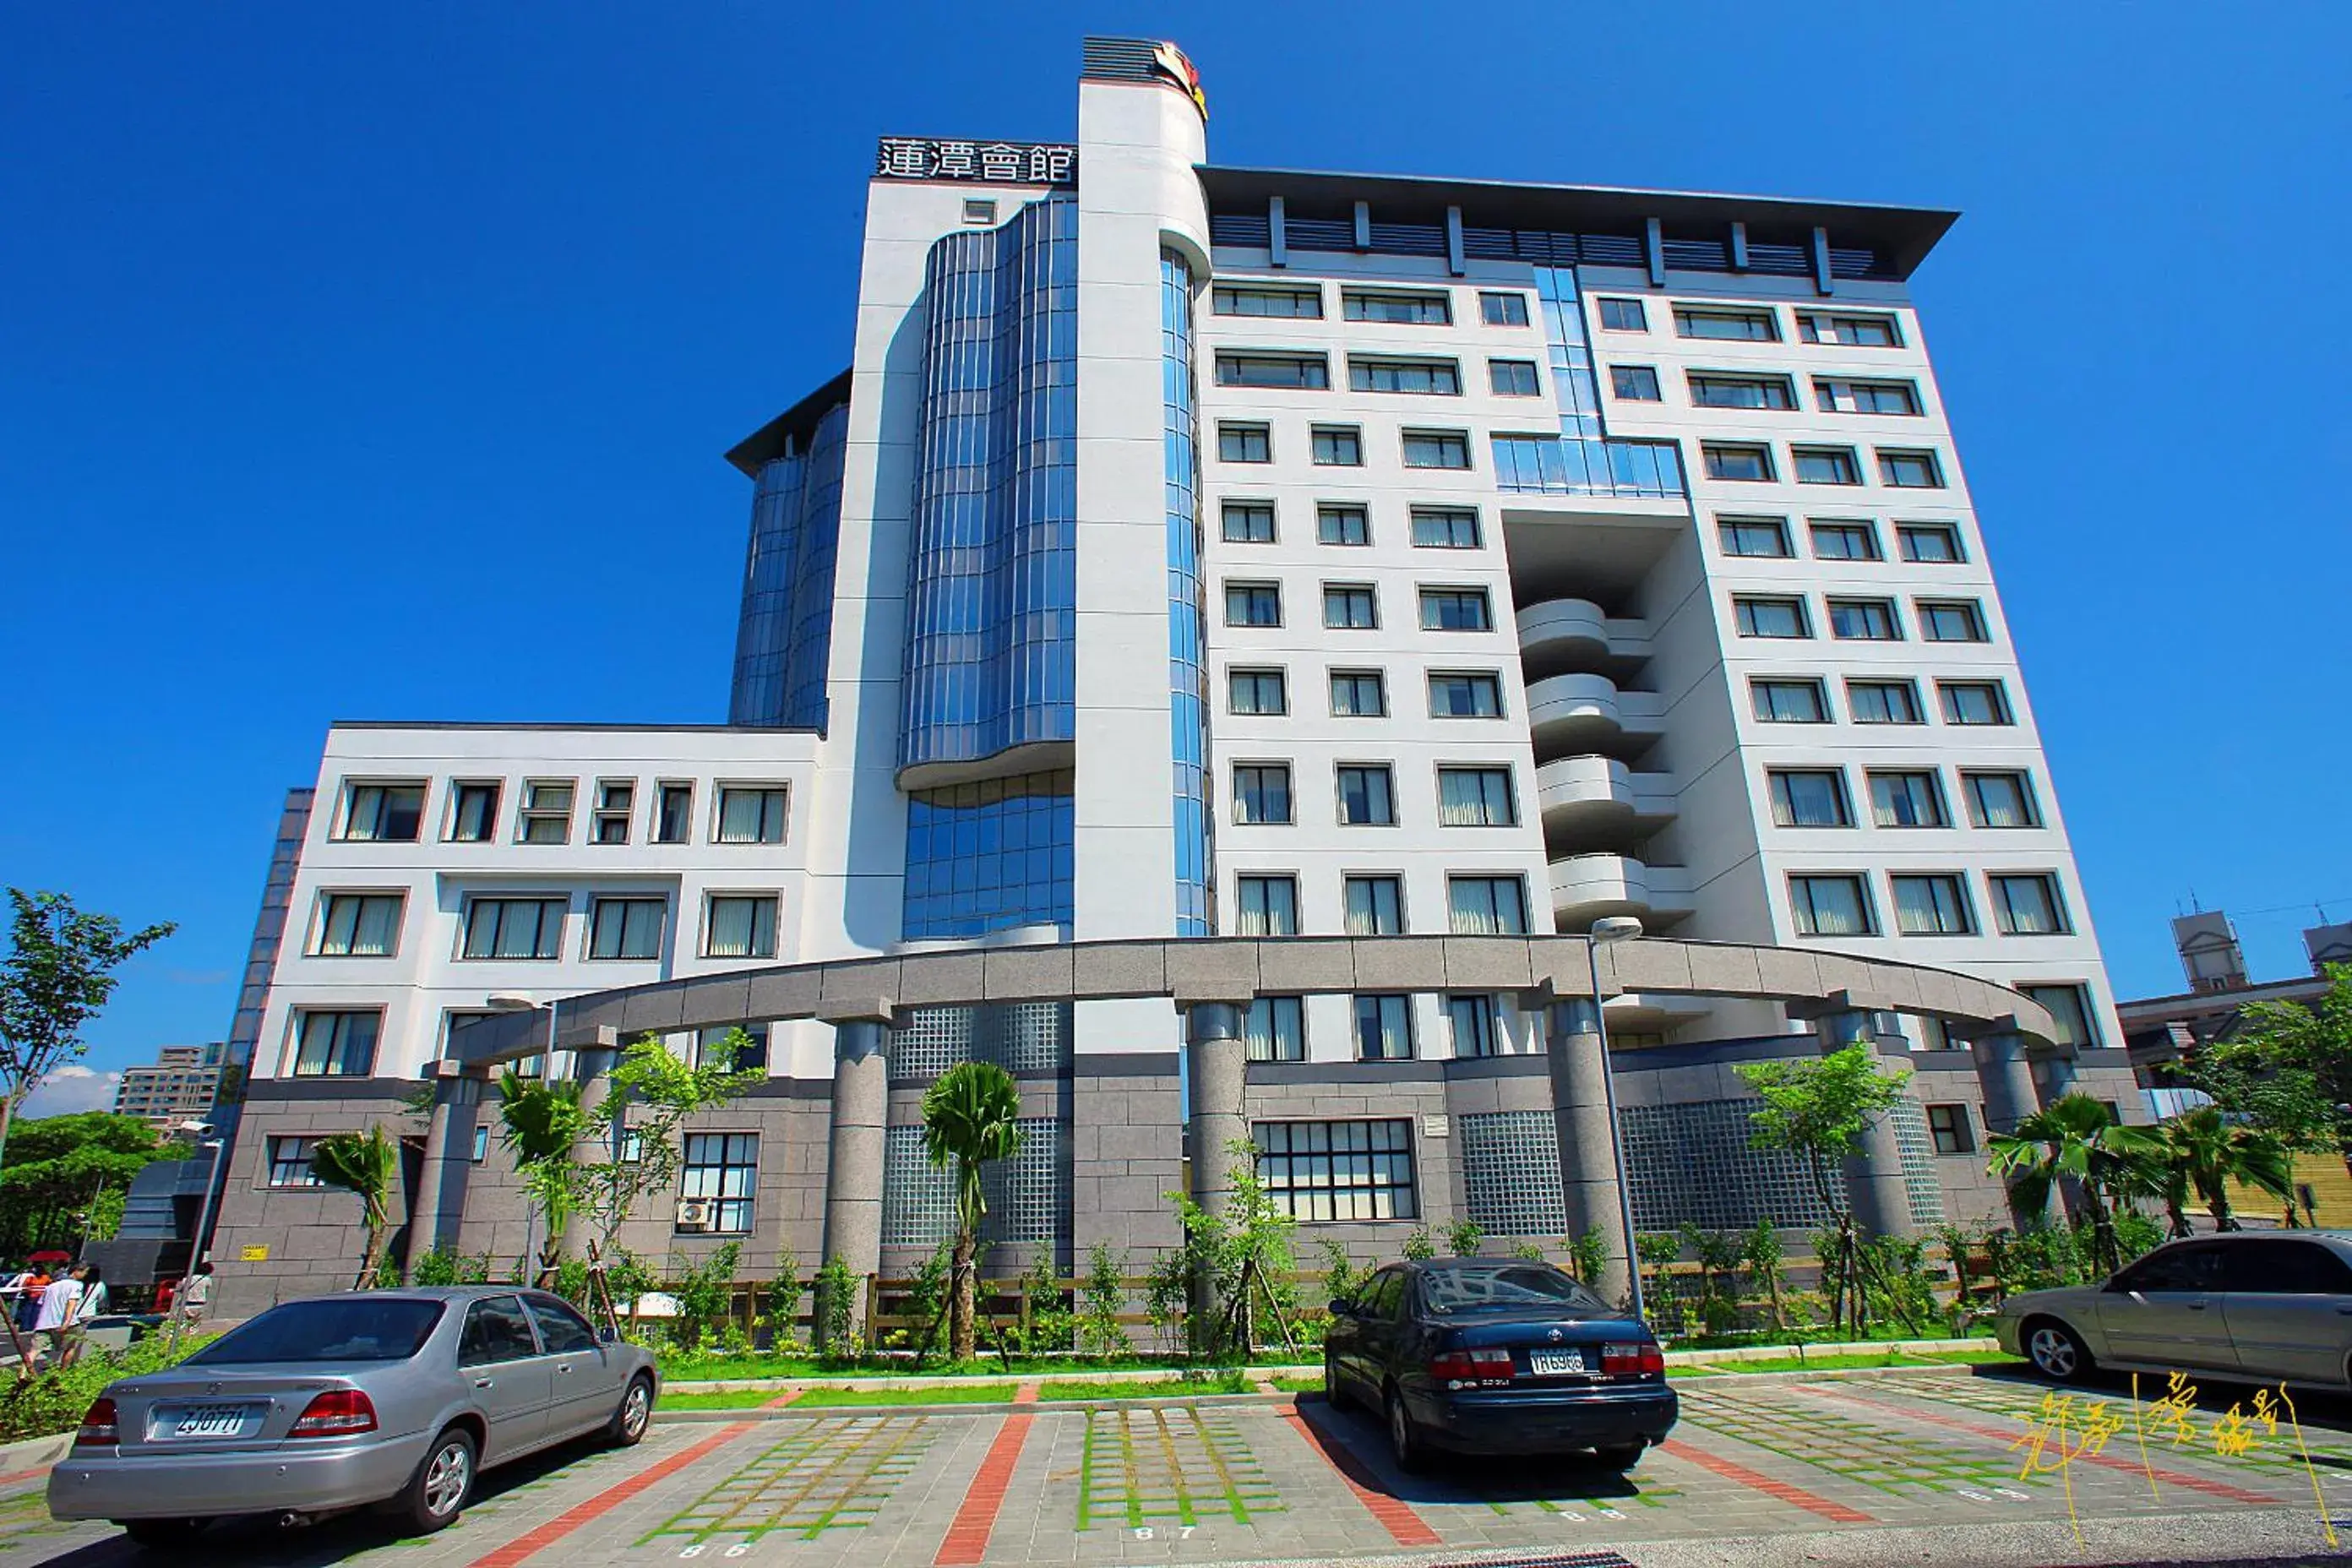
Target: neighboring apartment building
1193,549
181,1086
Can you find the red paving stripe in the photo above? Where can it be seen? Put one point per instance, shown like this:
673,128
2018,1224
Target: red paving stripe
780,1401
12,1479
2009,1439
967,1540
1396,1517
1026,1393
563,1524
1837,1512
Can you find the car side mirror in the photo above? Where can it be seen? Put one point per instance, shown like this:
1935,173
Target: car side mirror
608,1335
1342,1308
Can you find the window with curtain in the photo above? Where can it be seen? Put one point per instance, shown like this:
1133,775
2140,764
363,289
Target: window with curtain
616,801
2028,905
1950,620
1741,392
1338,1170
1758,617
1809,797
546,814
626,928
514,928
1753,536
742,926
383,813
1384,1027
1513,378
1843,541
1248,522
1336,524
1253,604
1275,1030
674,813
1471,1020
1444,527
1256,692
335,1045
1910,470
1459,694
1789,702
1475,797
1503,309
1455,610
1261,793
2000,800
2070,1007
1397,308
1366,797
1358,694
1882,701
1265,300
1635,384
1350,608
1266,906
1486,906
1863,620
1826,466
360,925
1436,450
722,1169
1623,316
289,1162
1930,544
1337,446
1932,905
1441,377
1830,906
1973,701
1744,464
474,813
750,816
1373,906
1244,444
1309,371
1906,800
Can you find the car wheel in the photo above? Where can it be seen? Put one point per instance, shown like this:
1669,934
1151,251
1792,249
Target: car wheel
1405,1445
1621,1456
2056,1351
627,1427
163,1534
443,1480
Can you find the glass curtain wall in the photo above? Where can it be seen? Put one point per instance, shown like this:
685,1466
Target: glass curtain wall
1188,712
784,637
1584,461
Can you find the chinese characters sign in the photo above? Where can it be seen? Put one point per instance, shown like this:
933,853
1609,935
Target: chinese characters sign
994,163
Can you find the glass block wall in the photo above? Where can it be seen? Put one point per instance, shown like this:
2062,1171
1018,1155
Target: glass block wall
1694,1162
1510,1173
785,633
1028,1197
1020,1038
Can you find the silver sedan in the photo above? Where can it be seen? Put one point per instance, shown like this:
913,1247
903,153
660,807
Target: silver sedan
2264,1306
390,1398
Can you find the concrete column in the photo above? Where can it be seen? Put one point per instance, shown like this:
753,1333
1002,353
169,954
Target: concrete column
1587,1139
449,1089
1218,1060
2006,1074
593,1067
853,1192
1873,1174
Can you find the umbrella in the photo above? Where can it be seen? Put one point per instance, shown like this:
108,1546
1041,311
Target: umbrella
52,1255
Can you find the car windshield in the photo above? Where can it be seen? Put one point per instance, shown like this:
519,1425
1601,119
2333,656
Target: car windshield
1531,1287
355,1329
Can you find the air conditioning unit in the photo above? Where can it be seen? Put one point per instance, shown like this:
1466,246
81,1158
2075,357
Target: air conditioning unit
694,1213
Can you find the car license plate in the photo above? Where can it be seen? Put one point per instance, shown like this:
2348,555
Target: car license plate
209,1421
1555,1363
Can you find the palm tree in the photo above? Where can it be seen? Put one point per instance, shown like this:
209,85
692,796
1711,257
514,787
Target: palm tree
363,1163
971,1116
2202,1151
541,1122
2075,1138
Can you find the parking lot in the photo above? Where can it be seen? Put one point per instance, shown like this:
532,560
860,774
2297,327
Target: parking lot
1873,1468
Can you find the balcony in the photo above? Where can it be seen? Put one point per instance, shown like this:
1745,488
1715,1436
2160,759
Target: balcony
1585,798
1561,636
1587,887
1571,715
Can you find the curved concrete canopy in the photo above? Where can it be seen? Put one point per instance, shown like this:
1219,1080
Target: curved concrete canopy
1194,969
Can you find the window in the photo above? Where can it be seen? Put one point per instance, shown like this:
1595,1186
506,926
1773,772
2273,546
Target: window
382,813
1933,544
1266,906
1503,309
1366,799
1932,905
1471,1021
2028,904
563,1331
748,814
1741,391
674,813
1910,470
1951,1128
1308,372
1454,610
1337,446
1950,620
1809,797
722,1170
626,928
335,1045
514,928
1863,620
1623,316
1770,617
1338,1170
1475,797
1261,793
1843,541
979,210
1906,800
1467,694
1248,522
495,1331
1275,1030
1383,1028
741,926
1764,536
1373,906
1513,378
750,1054
615,799
1441,376
1400,308
1999,800
546,811
1830,906
1788,703
2070,1009
474,813
1486,906
1436,450
1882,701
1255,691
1253,604
1826,466
1746,326
1444,527
1850,331
360,925
1973,701
289,1162
1244,444
482,1138
1866,396
1267,300
1350,607
1635,382
1358,694
1745,464
1342,525
2277,1266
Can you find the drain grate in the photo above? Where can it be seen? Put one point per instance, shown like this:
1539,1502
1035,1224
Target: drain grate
1546,1560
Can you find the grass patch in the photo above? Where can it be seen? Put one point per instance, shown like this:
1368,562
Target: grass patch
936,1393
1850,1361
1297,1384
1190,1387
758,1365
741,1399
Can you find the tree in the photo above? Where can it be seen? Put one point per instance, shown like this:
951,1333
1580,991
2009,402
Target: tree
57,976
56,1167
2286,1067
366,1164
540,1124
2074,1138
971,1116
2201,1152
1233,1258
642,1147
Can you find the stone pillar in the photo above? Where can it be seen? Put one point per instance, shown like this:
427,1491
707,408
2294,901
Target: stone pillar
449,1091
593,1067
1219,1062
1873,1174
853,1191
1584,1111
2006,1074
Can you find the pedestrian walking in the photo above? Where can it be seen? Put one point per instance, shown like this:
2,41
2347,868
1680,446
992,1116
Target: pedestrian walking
195,1295
91,1304
60,1307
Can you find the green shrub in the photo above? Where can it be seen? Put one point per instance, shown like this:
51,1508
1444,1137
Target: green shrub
836,1310
927,1301
54,1401
1051,1324
779,1304
1101,1299
1418,1246
1342,1280
1463,1237
1588,1257
1528,1251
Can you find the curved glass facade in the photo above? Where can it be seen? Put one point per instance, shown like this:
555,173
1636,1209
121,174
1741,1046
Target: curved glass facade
1586,461
988,856
991,612
784,637
1188,712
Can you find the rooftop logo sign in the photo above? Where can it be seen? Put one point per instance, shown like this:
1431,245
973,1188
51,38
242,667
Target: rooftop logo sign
986,163
1169,64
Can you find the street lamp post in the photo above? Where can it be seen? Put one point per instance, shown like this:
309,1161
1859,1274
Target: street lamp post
1615,928
203,1222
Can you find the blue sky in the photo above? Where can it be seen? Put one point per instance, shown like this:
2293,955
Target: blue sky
377,363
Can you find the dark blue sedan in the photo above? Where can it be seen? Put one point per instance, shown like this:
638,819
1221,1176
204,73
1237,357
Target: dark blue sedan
1488,1355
